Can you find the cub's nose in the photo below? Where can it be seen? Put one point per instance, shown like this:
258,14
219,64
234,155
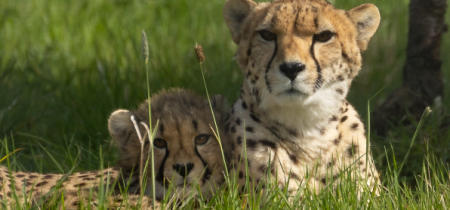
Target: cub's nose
183,169
291,70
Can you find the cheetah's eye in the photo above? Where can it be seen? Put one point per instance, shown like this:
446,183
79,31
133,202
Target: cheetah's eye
201,139
267,35
323,36
160,143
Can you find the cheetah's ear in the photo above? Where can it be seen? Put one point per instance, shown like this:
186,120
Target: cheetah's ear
119,125
219,104
234,13
366,17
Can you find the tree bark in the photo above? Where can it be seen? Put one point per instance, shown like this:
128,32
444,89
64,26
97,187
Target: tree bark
422,74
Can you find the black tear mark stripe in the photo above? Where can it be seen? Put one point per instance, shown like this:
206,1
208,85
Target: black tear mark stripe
319,69
268,66
161,128
194,122
208,172
160,175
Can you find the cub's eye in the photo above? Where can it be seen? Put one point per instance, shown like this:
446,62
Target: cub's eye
323,36
267,35
160,143
201,139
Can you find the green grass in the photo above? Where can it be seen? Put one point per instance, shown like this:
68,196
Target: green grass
66,65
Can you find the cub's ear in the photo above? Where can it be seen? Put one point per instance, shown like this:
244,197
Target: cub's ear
366,17
219,104
120,125
234,13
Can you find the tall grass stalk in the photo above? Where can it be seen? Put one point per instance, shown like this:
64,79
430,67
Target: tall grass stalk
368,128
201,59
145,54
425,114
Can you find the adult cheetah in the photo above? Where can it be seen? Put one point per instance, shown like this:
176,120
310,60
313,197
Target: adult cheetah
299,58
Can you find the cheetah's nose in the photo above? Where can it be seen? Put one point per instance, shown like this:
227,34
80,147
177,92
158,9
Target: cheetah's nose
291,70
183,169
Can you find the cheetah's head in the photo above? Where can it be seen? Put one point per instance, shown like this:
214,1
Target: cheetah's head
186,150
299,52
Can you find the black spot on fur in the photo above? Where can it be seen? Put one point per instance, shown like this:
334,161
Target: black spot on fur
294,176
322,131
352,150
238,121
40,184
89,179
251,143
343,119
194,122
227,127
257,95
345,110
249,129
340,91
233,129
253,65
244,105
316,23
48,176
334,118
293,158
344,55
20,175
75,203
239,140
336,142
268,143
254,118
340,78
330,164
355,126
262,169
241,175
249,51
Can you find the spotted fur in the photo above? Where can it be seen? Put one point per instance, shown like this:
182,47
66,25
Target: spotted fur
182,116
299,58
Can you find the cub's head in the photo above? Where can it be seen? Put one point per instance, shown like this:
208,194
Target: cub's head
186,150
296,51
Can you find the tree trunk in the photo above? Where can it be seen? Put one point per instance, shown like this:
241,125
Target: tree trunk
422,74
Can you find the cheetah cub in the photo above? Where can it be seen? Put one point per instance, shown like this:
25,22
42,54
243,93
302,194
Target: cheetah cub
187,155
299,58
